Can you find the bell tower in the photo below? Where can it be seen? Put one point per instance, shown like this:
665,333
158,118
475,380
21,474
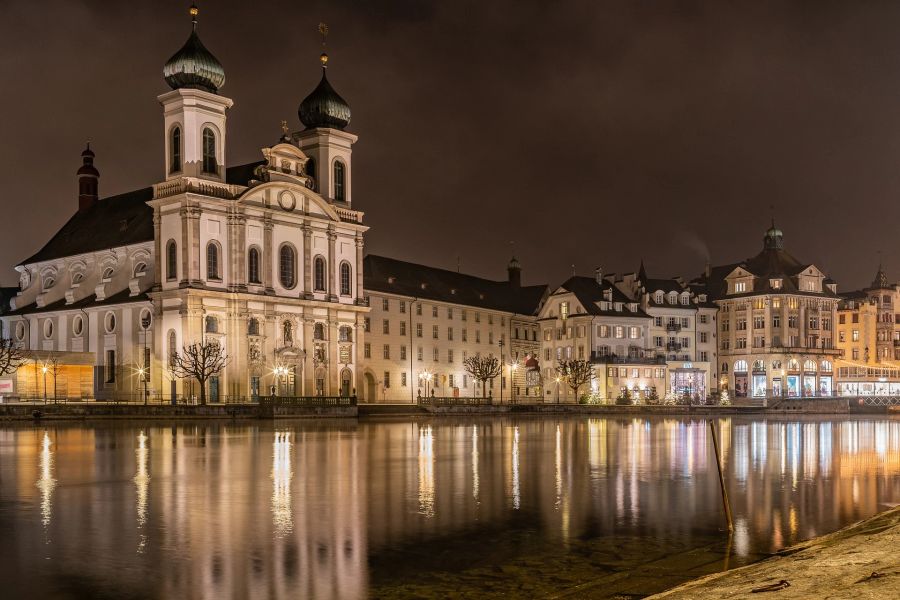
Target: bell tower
326,115
194,112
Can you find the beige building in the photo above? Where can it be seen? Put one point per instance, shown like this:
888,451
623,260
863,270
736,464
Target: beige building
424,322
776,324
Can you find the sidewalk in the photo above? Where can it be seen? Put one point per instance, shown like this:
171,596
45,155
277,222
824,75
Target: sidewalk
859,561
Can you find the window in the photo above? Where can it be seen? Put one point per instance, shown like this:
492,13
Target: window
311,172
434,311
387,379
211,325
339,193
367,350
856,335
792,321
107,275
318,331
703,319
434,332
210,164
704,337
776,321
253,327
110,366
450,312
319,274
140,269
367,324
465,336
385,304
345,334
402,327
450,334
385,327
48,329
775,284
419,353
287,266
759,322
173,346
658,341
171,260
435,355
418,330
110,322
403,379
212,261
175,150
253,266
563,310
620,332
634,332
77,325
740,287
386,352
403,307
345,279
419,310
402,352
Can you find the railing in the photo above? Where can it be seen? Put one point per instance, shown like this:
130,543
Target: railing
306,401
673,327
451,401
673,346
614,359
198,186
350,216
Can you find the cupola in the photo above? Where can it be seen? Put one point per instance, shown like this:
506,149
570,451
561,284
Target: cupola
88,180
324,107
194,66
774,238
514,269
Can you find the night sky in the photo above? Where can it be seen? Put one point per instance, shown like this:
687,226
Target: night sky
588,132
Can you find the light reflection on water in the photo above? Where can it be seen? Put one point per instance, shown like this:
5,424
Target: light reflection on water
347,510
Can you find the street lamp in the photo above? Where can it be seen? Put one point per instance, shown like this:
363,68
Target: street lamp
500,343
142,372
557,390
426,377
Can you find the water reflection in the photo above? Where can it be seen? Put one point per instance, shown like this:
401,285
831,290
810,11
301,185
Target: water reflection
282,473
393,508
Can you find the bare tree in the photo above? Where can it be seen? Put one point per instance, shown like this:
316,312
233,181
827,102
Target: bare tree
575,373
199,361
482,368
54,368
11,356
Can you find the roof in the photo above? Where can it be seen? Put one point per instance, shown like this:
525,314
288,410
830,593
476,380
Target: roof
113,222
121,297
589,293
392,276
117,221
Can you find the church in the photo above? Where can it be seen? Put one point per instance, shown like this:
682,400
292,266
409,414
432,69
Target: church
264,258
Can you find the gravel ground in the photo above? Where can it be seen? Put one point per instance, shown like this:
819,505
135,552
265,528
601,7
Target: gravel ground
859,561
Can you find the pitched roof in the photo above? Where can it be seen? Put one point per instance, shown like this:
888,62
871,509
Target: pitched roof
389,275
112,222
590,293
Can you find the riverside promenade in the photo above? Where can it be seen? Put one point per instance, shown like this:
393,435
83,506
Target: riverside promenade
859,561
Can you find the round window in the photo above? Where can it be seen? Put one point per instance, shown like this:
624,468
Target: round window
20,331
48,329
77,325
110,322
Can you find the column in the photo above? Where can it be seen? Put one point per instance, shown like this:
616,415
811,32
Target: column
192,247
184,213
236,269
268,257
334,366
307,261
158,249
332,239
308,373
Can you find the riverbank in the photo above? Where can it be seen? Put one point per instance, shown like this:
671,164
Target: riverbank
859,561
111,410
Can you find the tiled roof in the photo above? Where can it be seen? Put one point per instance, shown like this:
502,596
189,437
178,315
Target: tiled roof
589,293
389,275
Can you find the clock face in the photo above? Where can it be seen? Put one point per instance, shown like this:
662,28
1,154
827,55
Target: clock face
24,280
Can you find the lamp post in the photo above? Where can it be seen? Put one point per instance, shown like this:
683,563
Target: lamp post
426,377
44,371
557,390
512,381
143,372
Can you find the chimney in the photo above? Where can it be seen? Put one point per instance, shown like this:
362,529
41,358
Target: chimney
708,270
598,275
88,180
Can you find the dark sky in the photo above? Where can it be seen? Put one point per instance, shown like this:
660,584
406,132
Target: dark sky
589,132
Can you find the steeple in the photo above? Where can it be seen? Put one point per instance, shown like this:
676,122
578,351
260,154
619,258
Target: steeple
880,282
324,107
642,272
88,180
514,270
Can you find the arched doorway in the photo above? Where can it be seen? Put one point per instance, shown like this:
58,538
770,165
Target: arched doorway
346,377
371,394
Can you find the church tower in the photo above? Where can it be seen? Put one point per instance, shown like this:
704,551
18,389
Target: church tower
194,112
325,115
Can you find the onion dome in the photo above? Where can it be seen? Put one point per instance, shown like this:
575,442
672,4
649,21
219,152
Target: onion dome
87,160
774,239
194,66
324,107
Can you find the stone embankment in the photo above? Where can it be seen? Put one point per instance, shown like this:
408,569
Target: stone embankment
859,561
103,410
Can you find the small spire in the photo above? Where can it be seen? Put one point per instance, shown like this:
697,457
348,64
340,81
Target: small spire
194,11
323,58
642,272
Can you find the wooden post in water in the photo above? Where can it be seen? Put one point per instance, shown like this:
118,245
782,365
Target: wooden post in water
725,501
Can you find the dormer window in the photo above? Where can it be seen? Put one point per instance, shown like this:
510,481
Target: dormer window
140,269
811,286
685,299
740,287
563,310
775,284
77,277
659,297
49,282
107,274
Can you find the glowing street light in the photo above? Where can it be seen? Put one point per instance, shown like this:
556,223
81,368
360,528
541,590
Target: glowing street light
426,376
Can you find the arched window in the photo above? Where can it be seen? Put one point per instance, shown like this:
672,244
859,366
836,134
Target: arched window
793,365
253,327
173,346
826,366
212,261
287,266
288,332
176,150
740,366
49,282
210,164
318,331
776,365
171,260
809,366
77,277
319,274
212,325
345,279
107,274
253,266
759,366
140,269
311,171
339,194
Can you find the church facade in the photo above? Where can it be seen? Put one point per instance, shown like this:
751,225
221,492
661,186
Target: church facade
265,258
